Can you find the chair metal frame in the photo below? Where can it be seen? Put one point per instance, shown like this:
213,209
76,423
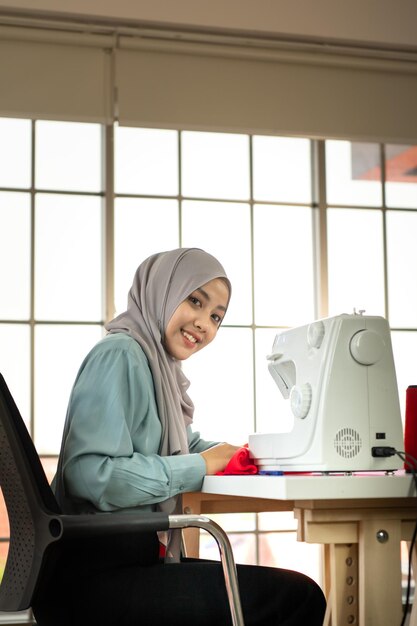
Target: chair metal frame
37,523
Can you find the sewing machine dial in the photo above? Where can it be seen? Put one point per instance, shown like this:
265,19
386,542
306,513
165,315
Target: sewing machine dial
300,399
315,334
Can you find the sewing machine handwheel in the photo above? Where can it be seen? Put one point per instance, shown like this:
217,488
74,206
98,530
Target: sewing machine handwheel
367,347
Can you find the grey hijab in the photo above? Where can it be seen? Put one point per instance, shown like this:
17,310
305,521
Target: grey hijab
160,284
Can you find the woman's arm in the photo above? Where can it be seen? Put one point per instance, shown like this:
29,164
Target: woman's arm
111,444
216,455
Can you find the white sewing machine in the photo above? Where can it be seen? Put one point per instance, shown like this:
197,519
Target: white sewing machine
339,377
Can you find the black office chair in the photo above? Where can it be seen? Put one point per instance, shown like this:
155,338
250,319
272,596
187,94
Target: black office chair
37,523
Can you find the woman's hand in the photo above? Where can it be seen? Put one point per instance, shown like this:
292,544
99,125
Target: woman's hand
217,457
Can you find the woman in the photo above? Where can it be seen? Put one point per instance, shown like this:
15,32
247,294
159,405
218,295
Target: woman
128,444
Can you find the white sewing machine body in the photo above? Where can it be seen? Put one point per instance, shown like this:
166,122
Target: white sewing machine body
339,376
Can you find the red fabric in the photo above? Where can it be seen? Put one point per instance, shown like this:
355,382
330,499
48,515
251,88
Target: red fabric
410,429
240,463
162,550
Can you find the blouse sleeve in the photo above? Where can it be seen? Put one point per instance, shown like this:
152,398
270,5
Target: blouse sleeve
111,447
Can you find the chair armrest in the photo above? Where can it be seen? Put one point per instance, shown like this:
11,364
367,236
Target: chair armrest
99,524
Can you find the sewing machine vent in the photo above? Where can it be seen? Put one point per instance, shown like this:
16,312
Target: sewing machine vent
347,443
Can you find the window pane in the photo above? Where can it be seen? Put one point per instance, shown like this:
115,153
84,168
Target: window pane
49,465
353,173
4,532
402,264
68,259
404,346
68,156
15,247
15,152
401,176
14,364
356,264
210,225
142,227
221,387
281,169
59,352
284,284
280,520
4,549
273,412
243,546
215,165
283,550
146,161
235,521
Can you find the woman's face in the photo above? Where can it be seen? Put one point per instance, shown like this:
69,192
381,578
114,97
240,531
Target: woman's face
194,324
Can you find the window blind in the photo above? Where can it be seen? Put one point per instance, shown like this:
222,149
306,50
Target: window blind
54,77
198,86
322,92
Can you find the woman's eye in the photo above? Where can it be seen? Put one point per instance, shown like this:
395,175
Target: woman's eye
194,300
217,319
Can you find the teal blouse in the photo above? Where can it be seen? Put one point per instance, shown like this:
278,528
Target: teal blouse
110,448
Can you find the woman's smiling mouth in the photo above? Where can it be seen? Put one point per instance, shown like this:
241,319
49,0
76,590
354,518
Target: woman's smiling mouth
191,338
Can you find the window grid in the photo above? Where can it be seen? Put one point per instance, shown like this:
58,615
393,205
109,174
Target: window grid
252,256
319,206
320,203
384,228
318,177
32,322
251,201
32,283
383,208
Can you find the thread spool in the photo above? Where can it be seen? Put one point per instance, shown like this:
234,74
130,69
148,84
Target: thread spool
410,429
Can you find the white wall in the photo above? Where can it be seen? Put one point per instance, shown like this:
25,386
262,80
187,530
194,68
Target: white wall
389,22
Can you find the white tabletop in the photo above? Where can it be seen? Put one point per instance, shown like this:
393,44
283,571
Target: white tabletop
313,487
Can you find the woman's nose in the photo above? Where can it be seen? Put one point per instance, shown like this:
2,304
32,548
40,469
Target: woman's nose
201,324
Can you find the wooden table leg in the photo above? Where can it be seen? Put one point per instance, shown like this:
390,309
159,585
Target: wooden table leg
191,536
413,616
379,572
343,596
326,584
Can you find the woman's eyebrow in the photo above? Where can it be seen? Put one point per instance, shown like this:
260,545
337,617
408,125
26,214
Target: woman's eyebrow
207,297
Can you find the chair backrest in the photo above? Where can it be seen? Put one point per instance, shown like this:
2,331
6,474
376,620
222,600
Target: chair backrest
31,506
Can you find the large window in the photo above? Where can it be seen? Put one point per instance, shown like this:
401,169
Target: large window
371,227
77,219
247,200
